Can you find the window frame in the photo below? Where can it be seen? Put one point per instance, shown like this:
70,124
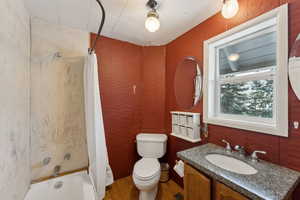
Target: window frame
211,115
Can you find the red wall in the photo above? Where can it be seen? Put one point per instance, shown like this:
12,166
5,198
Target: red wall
152,70
120,69
153,98
283,151
121,66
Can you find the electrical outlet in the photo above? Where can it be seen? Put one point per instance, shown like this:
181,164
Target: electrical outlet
296,124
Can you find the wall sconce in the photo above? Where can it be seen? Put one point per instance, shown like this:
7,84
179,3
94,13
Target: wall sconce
152,22
230,8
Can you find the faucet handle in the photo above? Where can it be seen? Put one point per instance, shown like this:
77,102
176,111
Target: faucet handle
254,156
228,147
240,149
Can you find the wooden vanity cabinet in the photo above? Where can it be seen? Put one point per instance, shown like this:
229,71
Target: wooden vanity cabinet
222,192
199,187
196,185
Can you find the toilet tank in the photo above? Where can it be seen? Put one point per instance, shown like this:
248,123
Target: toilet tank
151,145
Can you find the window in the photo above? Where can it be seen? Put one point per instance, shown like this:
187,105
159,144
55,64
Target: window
245,75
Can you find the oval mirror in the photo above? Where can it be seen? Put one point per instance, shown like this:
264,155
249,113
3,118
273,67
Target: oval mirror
188,83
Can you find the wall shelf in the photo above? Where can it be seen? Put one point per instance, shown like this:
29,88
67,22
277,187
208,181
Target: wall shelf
186,125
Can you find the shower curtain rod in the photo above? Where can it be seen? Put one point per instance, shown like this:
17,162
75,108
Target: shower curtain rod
91,50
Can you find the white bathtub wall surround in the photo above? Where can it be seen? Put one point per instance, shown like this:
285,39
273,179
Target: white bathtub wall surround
99,169
76,186
14,100
57,100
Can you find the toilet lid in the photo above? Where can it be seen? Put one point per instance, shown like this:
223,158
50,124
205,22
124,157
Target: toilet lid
146,168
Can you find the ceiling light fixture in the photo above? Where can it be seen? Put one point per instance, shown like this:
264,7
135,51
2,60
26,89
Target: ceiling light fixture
230,8
152,22
233,57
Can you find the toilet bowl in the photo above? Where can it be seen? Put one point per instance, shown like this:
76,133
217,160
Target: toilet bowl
146,171
146,175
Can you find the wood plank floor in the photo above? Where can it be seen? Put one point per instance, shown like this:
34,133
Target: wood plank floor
124,189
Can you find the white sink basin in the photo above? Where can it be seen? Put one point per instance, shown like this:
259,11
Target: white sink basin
231,164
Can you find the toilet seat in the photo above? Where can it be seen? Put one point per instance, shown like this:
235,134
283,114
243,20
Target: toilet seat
146,169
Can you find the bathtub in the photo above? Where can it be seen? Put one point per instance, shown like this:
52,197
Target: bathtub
75,186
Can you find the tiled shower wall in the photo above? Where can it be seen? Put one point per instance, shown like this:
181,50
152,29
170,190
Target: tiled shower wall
57,101
14,100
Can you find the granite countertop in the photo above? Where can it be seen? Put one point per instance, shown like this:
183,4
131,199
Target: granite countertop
271,182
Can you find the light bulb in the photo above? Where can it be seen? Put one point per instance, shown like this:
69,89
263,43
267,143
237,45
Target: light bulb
230,8
152,22
233,57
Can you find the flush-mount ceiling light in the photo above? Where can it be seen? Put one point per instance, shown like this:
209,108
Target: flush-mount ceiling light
152,22
233,57
230,8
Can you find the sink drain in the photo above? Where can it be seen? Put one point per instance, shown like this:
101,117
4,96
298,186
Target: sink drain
58,185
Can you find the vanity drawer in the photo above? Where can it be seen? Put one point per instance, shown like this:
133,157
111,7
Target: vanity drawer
222,192
196,185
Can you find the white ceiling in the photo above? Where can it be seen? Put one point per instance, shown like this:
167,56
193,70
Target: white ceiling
125,18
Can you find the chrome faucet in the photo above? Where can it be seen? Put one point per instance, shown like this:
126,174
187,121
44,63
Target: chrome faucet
254,157
228,147
240,150
56,170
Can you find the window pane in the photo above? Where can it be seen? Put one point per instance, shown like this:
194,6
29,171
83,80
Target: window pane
252,98
248,54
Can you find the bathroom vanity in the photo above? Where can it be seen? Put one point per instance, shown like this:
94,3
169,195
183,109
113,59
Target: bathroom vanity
211,172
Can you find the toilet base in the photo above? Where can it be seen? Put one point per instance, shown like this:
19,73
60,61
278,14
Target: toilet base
148,194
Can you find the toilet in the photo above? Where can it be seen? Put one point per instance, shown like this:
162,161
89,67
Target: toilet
146,171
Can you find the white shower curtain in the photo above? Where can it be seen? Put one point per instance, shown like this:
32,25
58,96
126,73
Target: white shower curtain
99,169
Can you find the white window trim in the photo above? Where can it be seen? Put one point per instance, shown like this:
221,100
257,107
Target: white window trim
280,126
